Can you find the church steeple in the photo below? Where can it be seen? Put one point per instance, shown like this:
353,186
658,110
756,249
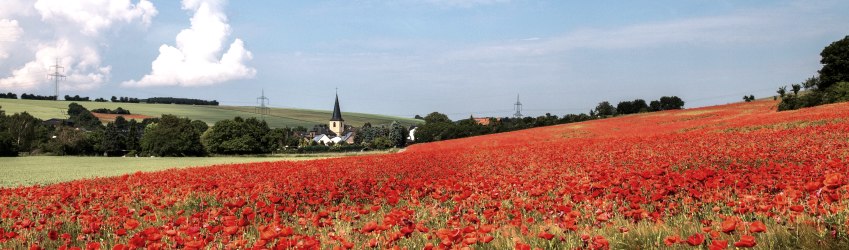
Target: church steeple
336,123
337,114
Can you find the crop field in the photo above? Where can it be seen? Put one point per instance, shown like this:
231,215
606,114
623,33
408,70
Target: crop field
722,177
27,171
278,117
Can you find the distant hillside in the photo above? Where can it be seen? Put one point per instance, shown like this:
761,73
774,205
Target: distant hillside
278,117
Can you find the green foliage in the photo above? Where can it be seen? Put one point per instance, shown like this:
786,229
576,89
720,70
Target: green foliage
7,144
671,103
120,137
835,63
398,135
605,109
172,136
200,126
238,136
26,131
655,106
82,118
632,107
71,141
829,87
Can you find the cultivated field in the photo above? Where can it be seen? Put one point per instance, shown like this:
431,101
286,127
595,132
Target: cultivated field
210,114
739,175
27,171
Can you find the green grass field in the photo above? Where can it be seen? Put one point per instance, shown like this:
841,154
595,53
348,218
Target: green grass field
278,117
26,171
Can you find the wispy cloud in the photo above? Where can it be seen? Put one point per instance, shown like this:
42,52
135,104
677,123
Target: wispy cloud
739,28
197,59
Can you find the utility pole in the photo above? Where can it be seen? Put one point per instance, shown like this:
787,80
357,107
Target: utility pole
263,109
518,108
56,77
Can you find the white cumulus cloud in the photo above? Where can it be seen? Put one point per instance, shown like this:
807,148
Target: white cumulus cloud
75,40
94,16
80,64
197,59
10,31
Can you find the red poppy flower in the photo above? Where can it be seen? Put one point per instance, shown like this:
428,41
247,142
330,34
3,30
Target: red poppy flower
757,227
696,239
746,241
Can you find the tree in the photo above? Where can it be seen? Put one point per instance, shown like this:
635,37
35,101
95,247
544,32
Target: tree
7,143
398,135
172,136
436,117
605,109
811,83
200,126
27,132
71,141
671,103
782,91
796,88
114,141
238,136
82,118
835,64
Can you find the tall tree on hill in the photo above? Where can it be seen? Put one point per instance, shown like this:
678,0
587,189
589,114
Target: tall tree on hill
605,109
671,103
835,63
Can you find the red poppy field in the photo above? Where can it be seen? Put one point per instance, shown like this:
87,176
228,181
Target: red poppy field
739,175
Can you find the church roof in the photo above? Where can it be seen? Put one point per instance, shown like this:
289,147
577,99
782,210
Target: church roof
337,114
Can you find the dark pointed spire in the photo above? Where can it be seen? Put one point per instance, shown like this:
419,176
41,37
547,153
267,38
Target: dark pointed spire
337,113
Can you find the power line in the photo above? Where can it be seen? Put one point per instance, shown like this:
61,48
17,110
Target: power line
518,107
56,77
263,109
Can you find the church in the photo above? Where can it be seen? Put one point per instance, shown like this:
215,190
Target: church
336,130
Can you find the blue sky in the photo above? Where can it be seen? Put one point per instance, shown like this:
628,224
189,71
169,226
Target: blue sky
408,57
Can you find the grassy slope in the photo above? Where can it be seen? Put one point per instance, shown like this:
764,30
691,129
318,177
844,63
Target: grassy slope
210,114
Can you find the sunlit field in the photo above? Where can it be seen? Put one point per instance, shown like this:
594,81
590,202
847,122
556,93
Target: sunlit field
739,175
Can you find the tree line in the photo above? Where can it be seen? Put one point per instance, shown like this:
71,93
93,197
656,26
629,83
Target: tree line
83,134
183,101
37,97
439,127
123,99
77,98
117,111
830,85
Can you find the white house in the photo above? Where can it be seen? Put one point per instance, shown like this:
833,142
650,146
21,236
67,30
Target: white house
412,136
322,139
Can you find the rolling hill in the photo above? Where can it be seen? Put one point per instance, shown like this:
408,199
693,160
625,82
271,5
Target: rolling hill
278,117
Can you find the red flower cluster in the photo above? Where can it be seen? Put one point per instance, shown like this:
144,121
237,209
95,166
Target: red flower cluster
728,171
